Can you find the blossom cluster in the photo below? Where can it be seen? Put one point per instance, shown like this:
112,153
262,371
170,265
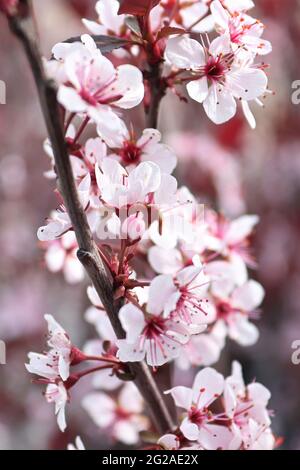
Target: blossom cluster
242,421
193,290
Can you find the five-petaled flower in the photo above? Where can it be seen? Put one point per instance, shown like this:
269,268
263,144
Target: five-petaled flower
217,76
198,424
123,418
95,88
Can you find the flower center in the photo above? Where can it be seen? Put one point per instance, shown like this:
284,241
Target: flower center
122,414
155,327
130,152
86,96
215,69
223,310
197,416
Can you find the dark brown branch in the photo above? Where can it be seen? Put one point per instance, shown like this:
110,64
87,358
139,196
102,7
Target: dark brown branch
157,92
88,252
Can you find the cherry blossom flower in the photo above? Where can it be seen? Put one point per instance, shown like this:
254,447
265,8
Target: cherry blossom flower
173,442
178,216
203,349
94,87
123,418
60,222
78,444
246,406
109,22
187,299
218,78
84,161
235,306
257,437
157,338
198,425
133,193
130,151
118,188
61,255
151,334
243,30
58,360
57,394
231,239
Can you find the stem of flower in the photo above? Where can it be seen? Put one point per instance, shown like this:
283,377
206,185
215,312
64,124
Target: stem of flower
23,29
111,360
92,370
81,129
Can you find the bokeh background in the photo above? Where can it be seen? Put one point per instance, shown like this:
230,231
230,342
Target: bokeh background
230,167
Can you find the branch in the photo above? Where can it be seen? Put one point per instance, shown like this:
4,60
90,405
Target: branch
157,92
88,252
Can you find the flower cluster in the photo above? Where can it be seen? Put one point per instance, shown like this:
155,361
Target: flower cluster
241,422
179,269
53,367
224,70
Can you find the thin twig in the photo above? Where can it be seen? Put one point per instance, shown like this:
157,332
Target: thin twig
88,251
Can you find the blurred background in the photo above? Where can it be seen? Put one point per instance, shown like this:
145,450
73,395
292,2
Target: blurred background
233,168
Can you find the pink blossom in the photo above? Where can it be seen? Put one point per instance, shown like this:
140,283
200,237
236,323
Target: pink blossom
157,338
231,238
150,333
243,30
118,188
123,418
187,300
108,19
218,78
198,422
94,87
61,255
130,151
246,406
60,222
56,363
84,162
57,394
234,307
204,349
173,442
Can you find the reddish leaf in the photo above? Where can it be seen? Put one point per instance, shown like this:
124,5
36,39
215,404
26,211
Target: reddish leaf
137,7
168,31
